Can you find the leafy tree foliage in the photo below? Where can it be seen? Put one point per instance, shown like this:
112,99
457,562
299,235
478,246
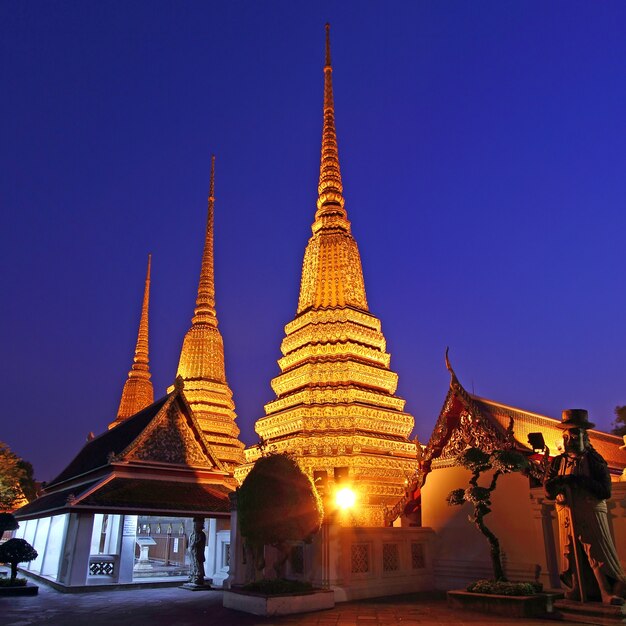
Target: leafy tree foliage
477,462
7,522
277,503
11,475
619,424
16,551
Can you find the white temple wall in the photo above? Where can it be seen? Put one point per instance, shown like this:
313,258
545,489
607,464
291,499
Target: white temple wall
368,562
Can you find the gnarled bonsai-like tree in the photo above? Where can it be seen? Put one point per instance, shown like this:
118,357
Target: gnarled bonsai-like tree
277,503
15,551
477,462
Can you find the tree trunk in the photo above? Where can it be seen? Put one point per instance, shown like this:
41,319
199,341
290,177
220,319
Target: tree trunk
13,571
494,544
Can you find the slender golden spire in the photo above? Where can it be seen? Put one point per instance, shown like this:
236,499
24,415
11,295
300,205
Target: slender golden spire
201,365
331,273
205,302
330,190
138,392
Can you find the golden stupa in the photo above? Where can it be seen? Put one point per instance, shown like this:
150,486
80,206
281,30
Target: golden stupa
336,408
138,392
201,365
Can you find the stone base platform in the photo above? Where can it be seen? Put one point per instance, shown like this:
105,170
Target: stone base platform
590,612
538,605
288,604
25,590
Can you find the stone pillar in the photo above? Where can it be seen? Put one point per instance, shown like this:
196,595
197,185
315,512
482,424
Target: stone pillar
237,569
211,548
127,549
76,550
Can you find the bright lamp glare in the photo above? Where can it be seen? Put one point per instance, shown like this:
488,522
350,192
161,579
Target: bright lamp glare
345,498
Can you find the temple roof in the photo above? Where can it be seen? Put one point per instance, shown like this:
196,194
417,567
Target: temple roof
155,462
525,422
467,420
133,496
96,453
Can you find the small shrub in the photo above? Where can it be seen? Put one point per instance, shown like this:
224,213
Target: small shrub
503,588
12,582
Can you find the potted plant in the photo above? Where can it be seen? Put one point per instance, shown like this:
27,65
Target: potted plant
502,596
277,504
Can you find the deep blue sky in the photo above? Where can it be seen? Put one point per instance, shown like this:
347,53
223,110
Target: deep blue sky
483,153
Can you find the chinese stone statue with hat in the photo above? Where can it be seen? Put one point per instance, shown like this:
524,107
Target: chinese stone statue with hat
579,481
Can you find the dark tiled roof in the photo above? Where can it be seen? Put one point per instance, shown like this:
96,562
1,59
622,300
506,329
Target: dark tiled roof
159,496
52,503
95,453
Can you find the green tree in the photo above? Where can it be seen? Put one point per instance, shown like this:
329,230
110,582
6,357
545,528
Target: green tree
619,424
277,503
477,462
16,479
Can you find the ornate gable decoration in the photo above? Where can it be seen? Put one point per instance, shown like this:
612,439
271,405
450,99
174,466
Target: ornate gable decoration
171,438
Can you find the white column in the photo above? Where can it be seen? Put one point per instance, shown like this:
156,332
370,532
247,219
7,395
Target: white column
75,562
127,549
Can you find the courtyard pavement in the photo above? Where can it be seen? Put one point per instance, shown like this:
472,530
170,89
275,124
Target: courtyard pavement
173,606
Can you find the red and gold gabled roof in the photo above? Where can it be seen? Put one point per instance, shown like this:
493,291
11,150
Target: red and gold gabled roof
467,420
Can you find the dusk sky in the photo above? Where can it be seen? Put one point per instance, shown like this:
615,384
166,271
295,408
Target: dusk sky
483,155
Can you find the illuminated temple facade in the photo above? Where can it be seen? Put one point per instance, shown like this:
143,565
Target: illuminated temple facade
335,405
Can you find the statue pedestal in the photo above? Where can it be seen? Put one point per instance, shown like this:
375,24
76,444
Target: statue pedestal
194,587
590,612
144,544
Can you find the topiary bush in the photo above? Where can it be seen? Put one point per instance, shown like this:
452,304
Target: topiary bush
15,551
277,503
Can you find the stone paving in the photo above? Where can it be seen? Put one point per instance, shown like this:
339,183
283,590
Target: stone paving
178,607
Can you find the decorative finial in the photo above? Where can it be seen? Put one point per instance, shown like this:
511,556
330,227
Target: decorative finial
330,201
328,63
205,301
212,180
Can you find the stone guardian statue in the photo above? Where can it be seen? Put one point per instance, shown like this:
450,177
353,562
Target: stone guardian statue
579,481
197,543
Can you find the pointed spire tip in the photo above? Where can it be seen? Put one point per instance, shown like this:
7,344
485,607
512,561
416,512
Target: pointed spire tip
328,63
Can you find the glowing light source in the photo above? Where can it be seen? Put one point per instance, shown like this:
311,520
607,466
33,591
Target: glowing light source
345,498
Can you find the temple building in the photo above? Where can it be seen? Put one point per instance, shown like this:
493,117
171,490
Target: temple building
522,518
123,510
335,405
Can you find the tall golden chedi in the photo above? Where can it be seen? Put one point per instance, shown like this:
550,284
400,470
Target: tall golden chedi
201,364
138,392
335,407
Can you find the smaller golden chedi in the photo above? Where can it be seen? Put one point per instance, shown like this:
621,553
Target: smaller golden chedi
138,392
201,365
